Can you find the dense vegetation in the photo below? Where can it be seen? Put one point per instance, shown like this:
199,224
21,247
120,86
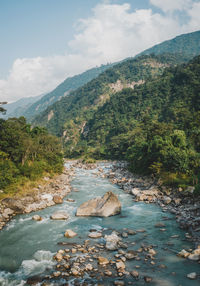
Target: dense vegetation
156,127
83,103
26,153
187,45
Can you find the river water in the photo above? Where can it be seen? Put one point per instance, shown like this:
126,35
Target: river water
27,246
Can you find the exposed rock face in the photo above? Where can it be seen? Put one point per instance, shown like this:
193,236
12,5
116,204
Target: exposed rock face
106,206
60,215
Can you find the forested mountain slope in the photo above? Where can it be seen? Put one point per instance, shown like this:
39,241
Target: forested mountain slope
187,45
156,126
71,113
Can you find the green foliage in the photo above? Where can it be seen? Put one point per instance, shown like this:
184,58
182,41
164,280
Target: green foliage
26,153
155,126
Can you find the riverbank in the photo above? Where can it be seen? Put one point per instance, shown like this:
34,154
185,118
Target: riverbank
50,193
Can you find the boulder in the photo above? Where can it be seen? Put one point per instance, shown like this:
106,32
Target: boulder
105,206
112,241
13,204
192,275
103,260
7,213
183,253
167,200
37,218
70,233
194,257
60,215
95,234
57,199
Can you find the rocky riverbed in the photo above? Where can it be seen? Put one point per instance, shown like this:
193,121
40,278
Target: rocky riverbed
141,245
181,203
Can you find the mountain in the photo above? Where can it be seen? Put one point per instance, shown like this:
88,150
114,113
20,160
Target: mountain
187,45
69,115
18,108
62,90
124,74
155,127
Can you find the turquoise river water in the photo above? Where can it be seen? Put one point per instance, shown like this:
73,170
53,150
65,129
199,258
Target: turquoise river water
27,246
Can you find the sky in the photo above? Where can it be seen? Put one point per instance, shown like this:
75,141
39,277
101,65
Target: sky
45,41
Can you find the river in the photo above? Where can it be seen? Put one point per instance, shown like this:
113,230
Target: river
27,247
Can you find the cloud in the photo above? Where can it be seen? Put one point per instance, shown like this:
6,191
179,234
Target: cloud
172,5
112,33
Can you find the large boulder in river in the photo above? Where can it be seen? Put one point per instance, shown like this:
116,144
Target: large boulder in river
105,206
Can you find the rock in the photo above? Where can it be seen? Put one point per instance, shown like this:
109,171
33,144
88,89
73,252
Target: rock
160,224
194,257
88,267
112,241
70,233
36,218
124,234
108,273
34,280
57,274
130,256
75,272
103,261
70,200
167,200
147,279
190,189
177,201
95,234
135,274
136,191
105,206
120,265
7,213
58,257
60,215
197,251
57,199
192,275
152,251
183,253
13,204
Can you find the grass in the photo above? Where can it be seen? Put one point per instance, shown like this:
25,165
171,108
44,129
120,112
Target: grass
25,186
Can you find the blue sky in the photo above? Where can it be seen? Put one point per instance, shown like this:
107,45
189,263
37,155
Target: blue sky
45,41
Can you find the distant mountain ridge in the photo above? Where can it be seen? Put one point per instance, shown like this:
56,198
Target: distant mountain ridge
186,44
19,107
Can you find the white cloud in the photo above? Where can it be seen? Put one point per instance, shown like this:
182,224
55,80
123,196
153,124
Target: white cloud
172,5
112,33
